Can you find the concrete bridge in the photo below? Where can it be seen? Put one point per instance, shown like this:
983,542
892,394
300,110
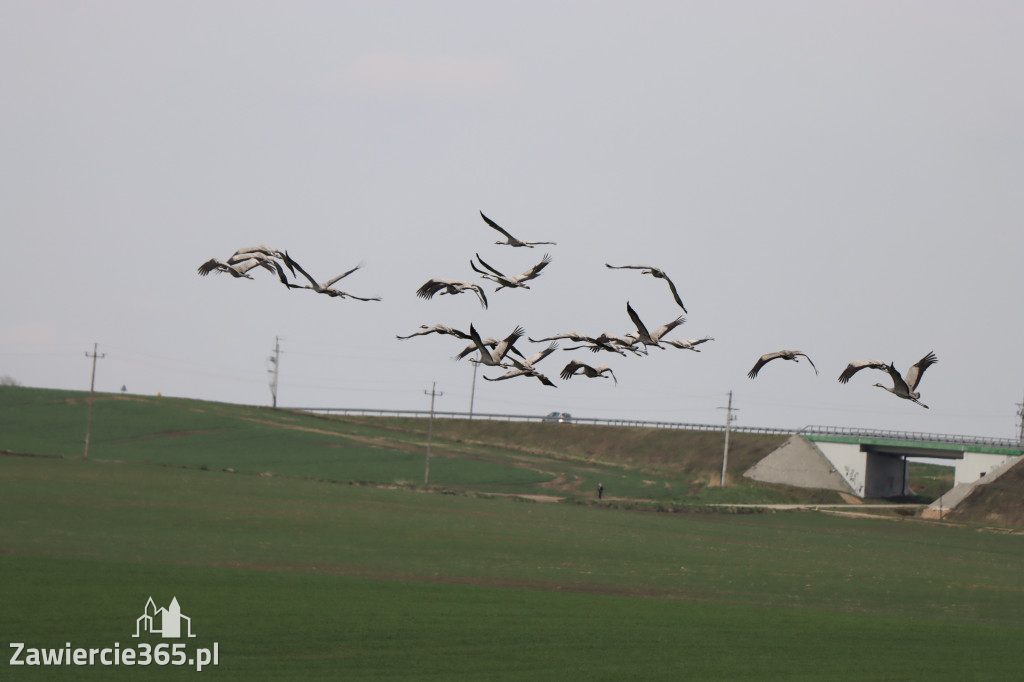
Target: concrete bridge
873,464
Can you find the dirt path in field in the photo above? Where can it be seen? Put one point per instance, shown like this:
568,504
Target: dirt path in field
822,507
535,498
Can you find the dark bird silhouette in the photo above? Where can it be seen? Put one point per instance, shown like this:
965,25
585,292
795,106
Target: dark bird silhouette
784,354
451,286
242,261
576,367
655,272
327,288
592,343
513,281
648,338
509,239
436,329
494,357
688,344
526,366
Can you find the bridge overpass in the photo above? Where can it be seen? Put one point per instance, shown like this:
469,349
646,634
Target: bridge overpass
872,463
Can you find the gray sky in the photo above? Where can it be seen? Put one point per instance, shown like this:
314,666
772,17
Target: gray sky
842,178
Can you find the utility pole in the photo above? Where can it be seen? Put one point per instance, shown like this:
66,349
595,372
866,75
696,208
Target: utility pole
472,390
275,360
1020,415
92,389
430,433
729,417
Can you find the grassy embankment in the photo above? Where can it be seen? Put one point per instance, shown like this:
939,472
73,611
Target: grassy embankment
566,460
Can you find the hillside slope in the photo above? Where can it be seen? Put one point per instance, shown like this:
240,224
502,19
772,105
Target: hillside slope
693,454
561,460
999,503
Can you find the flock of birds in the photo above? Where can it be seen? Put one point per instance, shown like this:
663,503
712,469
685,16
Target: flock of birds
503,354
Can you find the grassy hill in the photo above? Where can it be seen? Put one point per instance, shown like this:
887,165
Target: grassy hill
635,465
691,454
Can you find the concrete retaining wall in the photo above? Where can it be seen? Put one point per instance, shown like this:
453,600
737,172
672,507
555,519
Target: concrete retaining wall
798,462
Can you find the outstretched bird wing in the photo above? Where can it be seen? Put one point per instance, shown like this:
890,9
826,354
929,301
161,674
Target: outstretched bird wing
208,267
292,265
483,263
637,321
761,362
506,344
535,270
497,227
540,355
630,267
675,294
430,287
342,276
479,290
656,272
570,369
915,373
666,328
858,365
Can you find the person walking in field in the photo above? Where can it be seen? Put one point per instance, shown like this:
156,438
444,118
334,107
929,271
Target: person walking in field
600,490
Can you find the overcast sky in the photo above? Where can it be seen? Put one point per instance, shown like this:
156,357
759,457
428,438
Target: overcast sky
842,178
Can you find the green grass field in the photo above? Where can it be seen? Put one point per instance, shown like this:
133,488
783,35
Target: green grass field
307,579
566,460
299,577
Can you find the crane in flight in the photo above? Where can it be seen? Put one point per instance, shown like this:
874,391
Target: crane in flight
657,273
509,239
494,357
783,354
526,366
451,286
688,344
592,343
621,343
576,367
436,329
504,280
490,342
327,288
243,260
903,387
648,338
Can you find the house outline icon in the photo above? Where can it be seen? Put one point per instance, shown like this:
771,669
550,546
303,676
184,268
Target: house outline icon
166,622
